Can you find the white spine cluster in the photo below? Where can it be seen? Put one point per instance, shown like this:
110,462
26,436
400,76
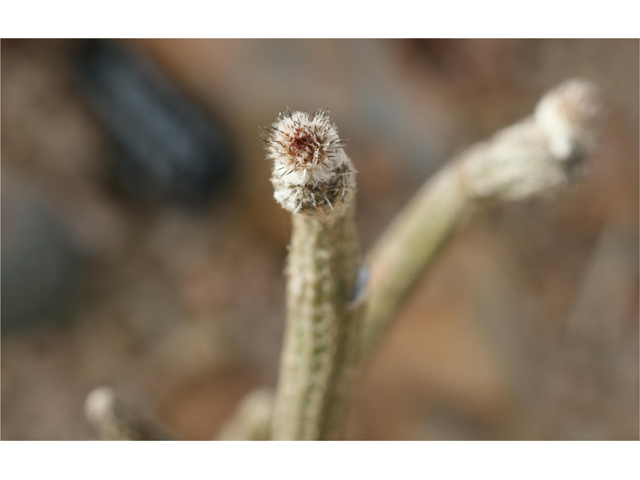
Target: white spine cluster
541,153
568,115
311,171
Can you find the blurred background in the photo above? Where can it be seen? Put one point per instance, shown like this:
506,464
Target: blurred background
142,249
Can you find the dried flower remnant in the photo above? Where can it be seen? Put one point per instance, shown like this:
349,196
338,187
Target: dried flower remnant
311,171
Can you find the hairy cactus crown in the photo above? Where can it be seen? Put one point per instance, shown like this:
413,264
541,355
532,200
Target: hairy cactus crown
311,172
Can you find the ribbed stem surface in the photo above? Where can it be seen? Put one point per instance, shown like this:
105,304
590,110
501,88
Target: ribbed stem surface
320,343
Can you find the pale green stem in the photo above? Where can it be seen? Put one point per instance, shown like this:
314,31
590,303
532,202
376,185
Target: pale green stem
408,246
536,157
321,334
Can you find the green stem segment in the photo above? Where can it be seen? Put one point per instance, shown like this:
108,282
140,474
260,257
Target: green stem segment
408,246
321,335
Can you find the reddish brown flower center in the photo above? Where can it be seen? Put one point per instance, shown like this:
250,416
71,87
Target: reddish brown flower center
303,146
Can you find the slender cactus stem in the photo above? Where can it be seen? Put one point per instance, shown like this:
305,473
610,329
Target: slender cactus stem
321,272
411,242
536,157
314,179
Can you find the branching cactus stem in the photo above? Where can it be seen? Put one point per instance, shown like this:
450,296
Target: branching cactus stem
335,314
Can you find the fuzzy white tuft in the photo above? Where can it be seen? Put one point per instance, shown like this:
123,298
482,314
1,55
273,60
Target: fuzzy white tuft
568,115
311,171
